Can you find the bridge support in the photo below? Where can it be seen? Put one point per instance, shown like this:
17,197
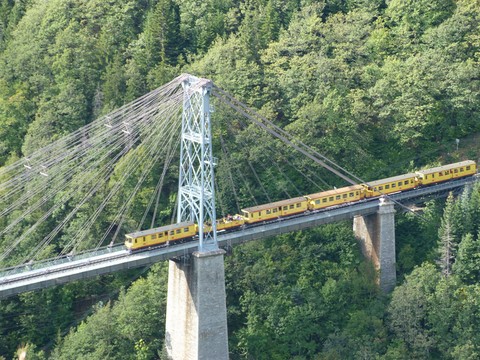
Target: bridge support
196,325
376,234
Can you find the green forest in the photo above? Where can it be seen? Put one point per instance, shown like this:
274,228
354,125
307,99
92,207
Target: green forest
382,87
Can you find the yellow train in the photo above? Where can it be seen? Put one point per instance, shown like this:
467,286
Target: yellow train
188,230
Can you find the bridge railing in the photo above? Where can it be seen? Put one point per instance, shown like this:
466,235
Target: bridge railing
38,265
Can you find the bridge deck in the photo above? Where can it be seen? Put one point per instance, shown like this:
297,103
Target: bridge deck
107,260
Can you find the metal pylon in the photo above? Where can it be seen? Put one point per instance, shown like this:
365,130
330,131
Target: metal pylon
196,191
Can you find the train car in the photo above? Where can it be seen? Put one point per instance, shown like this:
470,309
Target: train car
275,210
390,185
230,222
446,172
160,235
335,197
227,223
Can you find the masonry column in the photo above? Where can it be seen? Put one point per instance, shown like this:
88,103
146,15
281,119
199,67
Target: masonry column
196,324
377,239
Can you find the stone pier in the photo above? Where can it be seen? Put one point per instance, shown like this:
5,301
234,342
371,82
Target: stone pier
376,234
196,324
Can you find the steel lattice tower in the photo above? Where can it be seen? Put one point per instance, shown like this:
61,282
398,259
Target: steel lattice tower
196,198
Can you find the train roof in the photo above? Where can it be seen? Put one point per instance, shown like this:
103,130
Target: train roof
446,167
334,192
391,179
160,229
274,204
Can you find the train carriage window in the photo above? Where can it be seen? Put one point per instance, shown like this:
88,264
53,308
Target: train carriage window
344,196
461,169
154,236
330,198
179,231
268,211
172,232
135,241
185,229
394,185
318,201
405,182
143,239
337,197
399,183
387,186
285,208
440,173
455,171
351,194
275,210
160,235
299,205
292,206
380,188
357,193
324,200
166,233
468,167
259,213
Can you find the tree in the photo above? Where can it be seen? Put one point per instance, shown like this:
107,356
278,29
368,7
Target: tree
15,113
454,318
162,33
5,8
95,338
57,115
130,328
408,309
363,337
114,86
447,240
11,13
469,205
287,302
416,16
202,22
271,24
467,263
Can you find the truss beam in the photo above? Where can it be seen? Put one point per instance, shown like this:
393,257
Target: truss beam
196,200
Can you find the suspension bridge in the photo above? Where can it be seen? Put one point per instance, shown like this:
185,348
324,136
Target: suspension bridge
109,259
66,207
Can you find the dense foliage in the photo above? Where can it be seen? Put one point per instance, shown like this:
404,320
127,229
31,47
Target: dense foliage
381,86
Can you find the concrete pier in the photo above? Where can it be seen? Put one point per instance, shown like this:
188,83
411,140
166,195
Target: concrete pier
196,324
376,234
